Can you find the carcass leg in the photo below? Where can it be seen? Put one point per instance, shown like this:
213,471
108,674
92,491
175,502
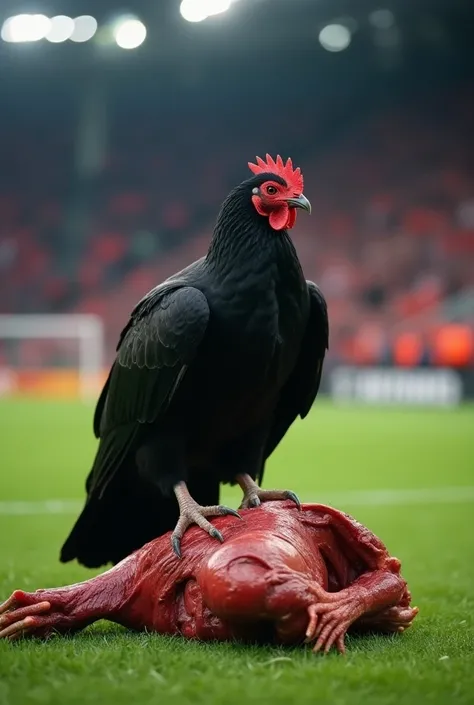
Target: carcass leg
70,608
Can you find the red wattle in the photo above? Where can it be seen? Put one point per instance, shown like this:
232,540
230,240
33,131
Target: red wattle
280,217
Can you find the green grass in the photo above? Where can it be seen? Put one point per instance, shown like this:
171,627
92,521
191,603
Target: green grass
46,451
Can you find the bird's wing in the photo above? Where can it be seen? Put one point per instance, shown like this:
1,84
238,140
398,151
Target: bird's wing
300,391
155,349
140,313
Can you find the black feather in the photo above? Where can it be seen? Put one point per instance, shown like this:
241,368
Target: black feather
211,370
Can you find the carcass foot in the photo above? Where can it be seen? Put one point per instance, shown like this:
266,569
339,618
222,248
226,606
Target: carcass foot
393,620
21,615
332,614
192,513
254,495
329,621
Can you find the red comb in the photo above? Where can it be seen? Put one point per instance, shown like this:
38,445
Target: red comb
293,177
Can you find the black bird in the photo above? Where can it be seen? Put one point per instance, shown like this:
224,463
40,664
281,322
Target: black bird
211,370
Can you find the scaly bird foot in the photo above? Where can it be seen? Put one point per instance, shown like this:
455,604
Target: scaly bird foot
192,513
254,495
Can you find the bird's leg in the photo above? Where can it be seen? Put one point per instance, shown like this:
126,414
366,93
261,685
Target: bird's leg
254,495
190,512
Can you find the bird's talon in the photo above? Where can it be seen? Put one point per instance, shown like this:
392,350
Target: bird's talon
254,495
216,535
294,498
176,544
190,512
227,511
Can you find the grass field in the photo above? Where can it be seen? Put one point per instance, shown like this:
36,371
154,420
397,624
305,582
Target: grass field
425,461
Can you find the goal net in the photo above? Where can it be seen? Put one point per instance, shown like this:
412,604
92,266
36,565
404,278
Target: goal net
51,355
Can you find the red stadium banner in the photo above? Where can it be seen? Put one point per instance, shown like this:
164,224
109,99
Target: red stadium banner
49,383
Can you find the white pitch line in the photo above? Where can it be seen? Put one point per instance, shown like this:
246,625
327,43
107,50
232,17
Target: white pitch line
362,498
47,506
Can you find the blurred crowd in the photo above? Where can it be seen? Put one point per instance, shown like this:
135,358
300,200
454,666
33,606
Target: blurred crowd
390,240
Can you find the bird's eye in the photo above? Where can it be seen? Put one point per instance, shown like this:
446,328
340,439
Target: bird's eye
271,190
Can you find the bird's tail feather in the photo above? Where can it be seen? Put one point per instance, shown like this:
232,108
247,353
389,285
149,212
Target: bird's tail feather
122,511
110,525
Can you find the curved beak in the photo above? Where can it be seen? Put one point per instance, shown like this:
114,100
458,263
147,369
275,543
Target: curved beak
300,202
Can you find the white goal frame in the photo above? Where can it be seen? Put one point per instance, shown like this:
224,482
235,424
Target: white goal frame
87,329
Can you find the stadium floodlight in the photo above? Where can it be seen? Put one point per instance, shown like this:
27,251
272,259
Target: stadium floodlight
60,30
129,33
199,10
192,11
25,28
85,27
217,7
382,19
335,37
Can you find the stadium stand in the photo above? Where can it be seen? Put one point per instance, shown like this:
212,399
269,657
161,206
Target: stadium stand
391,238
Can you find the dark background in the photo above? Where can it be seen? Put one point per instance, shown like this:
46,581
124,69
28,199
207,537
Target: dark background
113,164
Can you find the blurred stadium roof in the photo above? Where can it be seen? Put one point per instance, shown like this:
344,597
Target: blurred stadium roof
249,25
274,43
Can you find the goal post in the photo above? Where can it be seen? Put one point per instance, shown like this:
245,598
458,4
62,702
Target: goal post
76,348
